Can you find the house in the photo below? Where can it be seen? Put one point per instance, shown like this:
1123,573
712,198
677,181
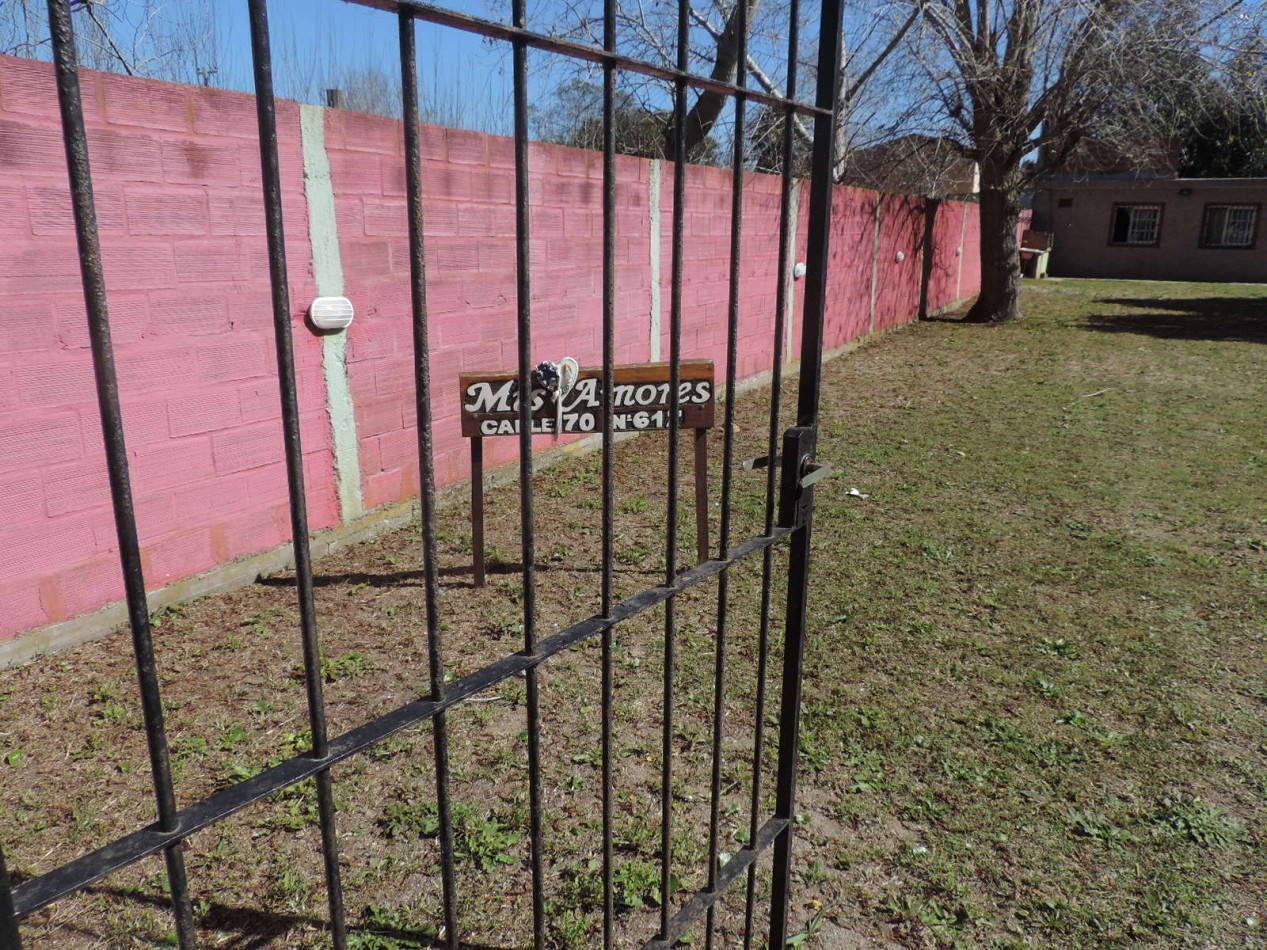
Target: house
1202,229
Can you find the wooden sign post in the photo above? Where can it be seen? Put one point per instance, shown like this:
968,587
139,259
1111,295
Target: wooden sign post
490,407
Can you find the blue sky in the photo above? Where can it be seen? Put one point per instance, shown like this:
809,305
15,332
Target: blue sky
459,64
453,66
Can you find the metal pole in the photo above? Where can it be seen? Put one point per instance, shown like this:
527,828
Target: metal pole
609,359
270,174
75,139
781,297
807,416
728,468
426,464
671,540
519,56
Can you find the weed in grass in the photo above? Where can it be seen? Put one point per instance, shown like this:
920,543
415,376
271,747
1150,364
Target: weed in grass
1188,716
292,887
1059,647
937,552
926,807
299,808
812,929
345,667
238,772
415,818
1096,825
636,884
813,874
232,737
567,929
486,841
392,928
1182,816
944,923
1045,688
262,707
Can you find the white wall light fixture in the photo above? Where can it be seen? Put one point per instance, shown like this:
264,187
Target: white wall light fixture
798,271
331,313
900,257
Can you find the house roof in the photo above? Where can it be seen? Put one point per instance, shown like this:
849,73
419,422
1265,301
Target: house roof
1154,184
913,164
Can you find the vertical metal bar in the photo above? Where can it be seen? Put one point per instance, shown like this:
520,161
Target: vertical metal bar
609,359
675,370
75,139
10,936
701,495
807,415
524,300
728,460
270,170
426,462
772,448
821,182
477,505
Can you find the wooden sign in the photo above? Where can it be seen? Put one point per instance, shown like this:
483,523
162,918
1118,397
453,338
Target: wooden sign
640,403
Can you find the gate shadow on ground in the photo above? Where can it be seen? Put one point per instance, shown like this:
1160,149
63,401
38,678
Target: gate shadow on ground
417,579
253,929
1192,318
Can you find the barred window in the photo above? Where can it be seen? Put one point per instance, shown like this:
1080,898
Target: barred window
1138,225
1229,226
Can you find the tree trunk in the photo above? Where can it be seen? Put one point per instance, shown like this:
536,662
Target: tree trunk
708,107
928,254
1000,297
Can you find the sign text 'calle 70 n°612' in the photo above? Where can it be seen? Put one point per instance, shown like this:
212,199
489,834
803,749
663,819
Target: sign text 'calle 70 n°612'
640,400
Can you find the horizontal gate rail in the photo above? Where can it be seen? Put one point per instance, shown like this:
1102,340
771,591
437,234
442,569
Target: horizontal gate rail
592,54
705,901
39,892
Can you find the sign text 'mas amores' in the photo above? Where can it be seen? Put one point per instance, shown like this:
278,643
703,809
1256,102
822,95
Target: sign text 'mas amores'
490,401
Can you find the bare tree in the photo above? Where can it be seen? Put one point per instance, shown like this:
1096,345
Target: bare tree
1012,77
648,31
176,40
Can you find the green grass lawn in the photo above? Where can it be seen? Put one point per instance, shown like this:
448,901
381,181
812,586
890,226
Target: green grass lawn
1037,698
1035,709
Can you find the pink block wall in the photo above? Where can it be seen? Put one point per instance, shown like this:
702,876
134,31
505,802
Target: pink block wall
176,172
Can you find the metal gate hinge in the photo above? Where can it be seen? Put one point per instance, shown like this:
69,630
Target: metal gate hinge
815,472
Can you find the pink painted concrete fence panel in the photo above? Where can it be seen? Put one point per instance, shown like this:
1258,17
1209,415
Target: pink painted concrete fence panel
176,171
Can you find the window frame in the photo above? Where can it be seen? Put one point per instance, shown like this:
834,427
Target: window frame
1205,214
1161,218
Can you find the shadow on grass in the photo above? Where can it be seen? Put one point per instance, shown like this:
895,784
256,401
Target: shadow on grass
254,928
1193,318
416,578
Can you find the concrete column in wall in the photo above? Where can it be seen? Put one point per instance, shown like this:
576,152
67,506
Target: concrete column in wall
653,225
789,292
963,234
327,265
875,264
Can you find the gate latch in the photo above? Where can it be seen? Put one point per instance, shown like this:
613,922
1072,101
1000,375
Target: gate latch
800,473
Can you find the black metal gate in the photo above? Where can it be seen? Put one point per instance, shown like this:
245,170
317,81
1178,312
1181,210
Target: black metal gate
788,496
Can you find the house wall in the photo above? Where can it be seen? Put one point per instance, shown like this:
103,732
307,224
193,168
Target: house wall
1081,232
176,173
